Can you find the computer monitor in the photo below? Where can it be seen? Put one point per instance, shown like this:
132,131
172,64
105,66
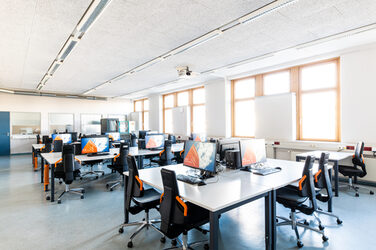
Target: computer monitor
152,132
74,136
95,144
225,145
252,152
114,136
154,141
199,137
66,138
142,134
200,155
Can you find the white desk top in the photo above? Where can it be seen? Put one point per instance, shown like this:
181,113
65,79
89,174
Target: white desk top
177,147
37,146
220,192
53,157
333,156
144,152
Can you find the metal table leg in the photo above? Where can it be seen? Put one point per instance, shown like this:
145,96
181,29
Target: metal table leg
52,169
126,213
42,170
270,221
336,177
330,202
214,228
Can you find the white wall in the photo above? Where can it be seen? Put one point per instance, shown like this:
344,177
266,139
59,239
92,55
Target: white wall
358,89
155,113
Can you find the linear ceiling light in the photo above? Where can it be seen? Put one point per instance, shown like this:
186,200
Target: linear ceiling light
7,91
67,48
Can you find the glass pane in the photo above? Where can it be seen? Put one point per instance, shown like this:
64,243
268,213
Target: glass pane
168,121
120,117
244,118
137,106
199,119
277,83
183,98
90,124
169,101
146,120
60,122
319,76
319,115
199,96
26,123
244,88
146,104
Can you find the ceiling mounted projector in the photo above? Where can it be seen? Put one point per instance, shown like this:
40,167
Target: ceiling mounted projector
184,72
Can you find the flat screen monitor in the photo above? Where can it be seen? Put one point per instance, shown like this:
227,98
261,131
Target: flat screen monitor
97,144
252,152
74,136
200,155
227,144
114,136
66,138
154,141
199,137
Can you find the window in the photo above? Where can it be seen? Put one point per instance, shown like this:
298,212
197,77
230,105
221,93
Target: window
90,124
317,95
25,123
143,107
277,83
319,101
243,114
60,122
195,99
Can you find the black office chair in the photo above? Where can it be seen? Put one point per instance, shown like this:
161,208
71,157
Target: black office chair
172,138
120,165
133,140
45,138
322,182
179,217
68,171
58,146
353,171
143,199
166,156
295,198
38,139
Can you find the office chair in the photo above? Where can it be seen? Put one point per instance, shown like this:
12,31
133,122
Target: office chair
133,140
355,172
67,172
45,138
143,199
322,182
165,156
120,165
58,146
179,217
91,170
172,138
294,198
38,139
179,156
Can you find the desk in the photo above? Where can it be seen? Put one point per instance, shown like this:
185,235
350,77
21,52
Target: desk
52,158
35,149
334,157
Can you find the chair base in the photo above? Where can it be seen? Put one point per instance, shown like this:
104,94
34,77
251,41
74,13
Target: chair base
351,186
78,191
92,172
112,184
145,223
295,223
184,245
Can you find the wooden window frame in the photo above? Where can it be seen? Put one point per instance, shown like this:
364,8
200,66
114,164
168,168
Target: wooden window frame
190,104
142,110
295,87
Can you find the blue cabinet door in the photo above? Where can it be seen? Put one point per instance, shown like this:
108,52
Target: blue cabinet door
4,133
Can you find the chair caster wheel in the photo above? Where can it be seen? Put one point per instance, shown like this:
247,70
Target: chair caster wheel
107,185
204,232
130,244
339,222
324,238
121,230
58,201
60,182
81,178
321,227
174,242
300,244
102,174
307,223
96,177
371,192
82,197
111,189
83,191
356,195
163,240
206,246
48,198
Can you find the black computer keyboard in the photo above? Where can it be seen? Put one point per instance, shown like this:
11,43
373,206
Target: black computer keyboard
98,154
190,179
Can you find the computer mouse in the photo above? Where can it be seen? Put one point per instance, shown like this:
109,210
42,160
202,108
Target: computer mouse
278,168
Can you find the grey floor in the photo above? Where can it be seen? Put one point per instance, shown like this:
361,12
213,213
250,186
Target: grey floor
28,221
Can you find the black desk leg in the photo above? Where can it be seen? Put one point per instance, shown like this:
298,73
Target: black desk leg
330,202
42,170
336,178
214,228
140,162
268,222
126,213
273,220
52,169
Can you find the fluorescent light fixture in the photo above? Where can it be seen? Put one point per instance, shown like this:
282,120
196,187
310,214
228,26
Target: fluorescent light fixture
49,95
146,65
268,9
72,96
7,91
103,85
55,65
89,91
207,37
95,9
67,48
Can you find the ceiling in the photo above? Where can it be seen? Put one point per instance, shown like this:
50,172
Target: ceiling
132,32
